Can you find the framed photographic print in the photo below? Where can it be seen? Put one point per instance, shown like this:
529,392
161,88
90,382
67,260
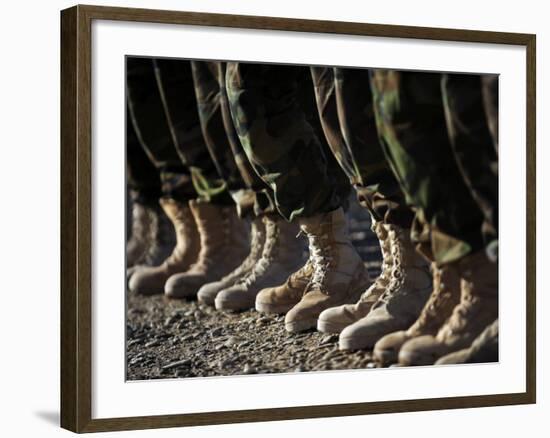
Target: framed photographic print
267,218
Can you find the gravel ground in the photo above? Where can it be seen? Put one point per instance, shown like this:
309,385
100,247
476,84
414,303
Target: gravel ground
176,338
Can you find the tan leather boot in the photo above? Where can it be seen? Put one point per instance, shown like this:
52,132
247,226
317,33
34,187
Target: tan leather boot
282,254
160,241
207,293
224,241
445,296
142,222
484,349
477,309
280,299
149,280
339,274
336,319
400,304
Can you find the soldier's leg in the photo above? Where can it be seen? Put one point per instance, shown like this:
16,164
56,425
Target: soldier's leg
151,241
231,162
220,135
361,155
412,126
174,80
278,139
411,119
472,143
155,135
224,238
278,127
489,88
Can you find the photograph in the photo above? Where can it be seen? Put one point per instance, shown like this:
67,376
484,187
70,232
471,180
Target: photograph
295,218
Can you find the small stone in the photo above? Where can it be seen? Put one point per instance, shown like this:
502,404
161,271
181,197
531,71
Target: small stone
328,339
232,340
299,369
169,321
248,369
178,364
216,332
371,365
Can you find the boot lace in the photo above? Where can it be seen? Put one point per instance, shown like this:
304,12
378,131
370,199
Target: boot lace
268,254
256,246
397,275
321,258
161,237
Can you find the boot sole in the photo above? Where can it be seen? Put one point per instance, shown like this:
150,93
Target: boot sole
386,357
353,344
232,306
412,359
330,327
300,326
271,309
207,301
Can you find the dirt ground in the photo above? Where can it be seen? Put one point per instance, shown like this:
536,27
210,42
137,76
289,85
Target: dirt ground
176,338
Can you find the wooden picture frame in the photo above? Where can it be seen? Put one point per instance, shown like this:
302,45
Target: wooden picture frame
76,201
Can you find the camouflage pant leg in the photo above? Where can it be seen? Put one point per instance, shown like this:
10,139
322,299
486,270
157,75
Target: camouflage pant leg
411,123
142,175
376,184
279,139
220,136
489,88
177,89
149,122
473,145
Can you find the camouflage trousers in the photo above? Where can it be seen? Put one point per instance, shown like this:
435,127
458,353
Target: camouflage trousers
344,102
164,114
435,135
142,176
248,190
273,109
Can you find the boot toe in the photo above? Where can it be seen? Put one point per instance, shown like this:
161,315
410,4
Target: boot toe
423,350
183,285
234,298
458,357
146,281
386,350
299,319
208,292
364,333
334,319
270,301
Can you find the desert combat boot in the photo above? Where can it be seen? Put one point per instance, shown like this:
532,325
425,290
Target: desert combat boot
339,274
477,309
224,243
282,254
336,319
402,301
484,349
445,296
207,293
280,299
150,280
159,239
142,220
